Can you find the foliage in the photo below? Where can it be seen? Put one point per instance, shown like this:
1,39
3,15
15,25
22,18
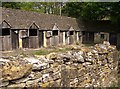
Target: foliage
11,5
43,7
115,13
94,10
0,3
27,6
84,10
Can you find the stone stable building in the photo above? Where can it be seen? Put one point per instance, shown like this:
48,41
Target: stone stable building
27,29
99,31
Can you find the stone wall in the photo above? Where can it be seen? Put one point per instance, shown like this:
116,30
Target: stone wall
94,66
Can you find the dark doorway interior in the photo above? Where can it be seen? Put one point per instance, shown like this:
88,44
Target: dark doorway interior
113,39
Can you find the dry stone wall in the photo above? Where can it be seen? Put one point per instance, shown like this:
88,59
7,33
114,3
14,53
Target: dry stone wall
93,66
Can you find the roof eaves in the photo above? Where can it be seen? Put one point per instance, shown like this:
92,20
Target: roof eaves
6,23
34,25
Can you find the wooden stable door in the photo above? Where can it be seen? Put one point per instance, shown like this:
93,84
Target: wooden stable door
41,38
5,39
113,38
25,42
71,37
15,39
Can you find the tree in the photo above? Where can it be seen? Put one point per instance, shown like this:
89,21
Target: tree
115,13
93,10
84,10
43,7
14,5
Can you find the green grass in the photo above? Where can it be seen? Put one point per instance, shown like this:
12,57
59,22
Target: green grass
47,51
41,52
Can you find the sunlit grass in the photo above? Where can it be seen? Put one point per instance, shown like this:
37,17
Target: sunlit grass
47,51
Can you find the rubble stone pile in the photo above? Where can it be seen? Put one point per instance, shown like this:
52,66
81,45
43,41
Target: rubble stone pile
93,66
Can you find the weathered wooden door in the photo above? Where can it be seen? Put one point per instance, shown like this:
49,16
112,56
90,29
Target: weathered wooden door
91,37
25,42
67,38
48,35
6,43
76,36
41,38
5,39
33,38
15,39
61,38
113,38
71,37
55,38
87,37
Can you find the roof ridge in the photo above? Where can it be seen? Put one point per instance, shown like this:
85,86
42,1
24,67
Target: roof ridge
23,19
38,12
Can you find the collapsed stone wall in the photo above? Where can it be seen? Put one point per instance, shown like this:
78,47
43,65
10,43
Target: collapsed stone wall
93,66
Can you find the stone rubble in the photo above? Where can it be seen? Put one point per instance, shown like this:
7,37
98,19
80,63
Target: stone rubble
82,67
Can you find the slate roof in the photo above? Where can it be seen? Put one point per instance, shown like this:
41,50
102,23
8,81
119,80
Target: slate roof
98,26
19,19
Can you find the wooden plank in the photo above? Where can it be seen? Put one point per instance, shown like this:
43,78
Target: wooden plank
91,37
51,41
33,42
14,39
25,42
113,38
55,40
1,43
71,39
80,37
61,38
7,43
47,40
75,36
118,40
41,38
37,42
85,37
44,39
66,38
